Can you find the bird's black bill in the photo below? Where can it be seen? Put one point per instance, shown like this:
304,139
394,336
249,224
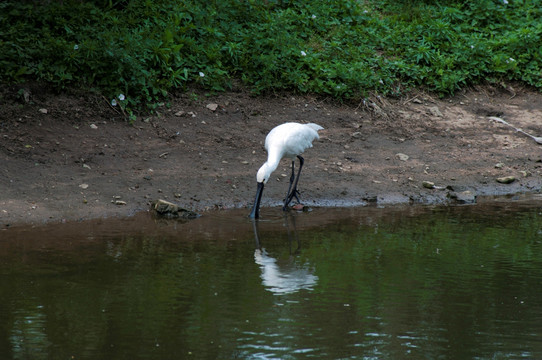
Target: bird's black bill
255,213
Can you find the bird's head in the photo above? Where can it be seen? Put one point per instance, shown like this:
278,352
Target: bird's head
263,174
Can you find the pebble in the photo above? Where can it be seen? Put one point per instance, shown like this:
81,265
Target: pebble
212,107
402,157
428,184
298,207
506,180
357,135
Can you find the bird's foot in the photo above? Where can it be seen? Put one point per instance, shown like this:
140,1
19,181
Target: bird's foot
290,197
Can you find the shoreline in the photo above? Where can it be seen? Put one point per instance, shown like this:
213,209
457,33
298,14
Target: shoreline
69,157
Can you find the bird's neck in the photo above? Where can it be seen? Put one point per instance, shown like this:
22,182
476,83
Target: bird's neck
273,160
270,166
267,168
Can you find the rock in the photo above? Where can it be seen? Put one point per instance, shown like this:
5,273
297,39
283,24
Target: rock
83,186
298,207
428,184
212,107
170,210
499,166
180,113
373,199
26,95
119,202
435,111
93,126
402,157
506,179
463,197
43,111
357,135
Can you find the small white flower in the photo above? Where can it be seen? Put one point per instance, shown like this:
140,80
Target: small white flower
303,53
512,59
121,97
381,81
505,2
472,46
201,74
313,16
113,102
76,47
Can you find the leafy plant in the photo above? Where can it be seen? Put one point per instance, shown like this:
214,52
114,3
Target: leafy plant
146,49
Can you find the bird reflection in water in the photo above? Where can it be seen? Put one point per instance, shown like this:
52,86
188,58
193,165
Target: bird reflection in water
283,277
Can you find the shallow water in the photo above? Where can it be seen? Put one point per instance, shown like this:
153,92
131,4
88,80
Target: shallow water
399,283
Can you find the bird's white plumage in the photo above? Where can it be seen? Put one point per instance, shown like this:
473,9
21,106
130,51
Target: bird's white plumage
291,139
286,140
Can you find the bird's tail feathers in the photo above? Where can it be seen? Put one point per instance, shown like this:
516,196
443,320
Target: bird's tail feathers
315,126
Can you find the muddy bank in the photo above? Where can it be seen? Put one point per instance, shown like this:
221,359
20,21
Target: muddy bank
72,156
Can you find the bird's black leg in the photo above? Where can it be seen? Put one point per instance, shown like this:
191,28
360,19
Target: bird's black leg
292,178
294,193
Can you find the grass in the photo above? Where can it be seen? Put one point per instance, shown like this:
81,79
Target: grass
136,52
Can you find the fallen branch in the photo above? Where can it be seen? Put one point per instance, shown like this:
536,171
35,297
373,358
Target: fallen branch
498,119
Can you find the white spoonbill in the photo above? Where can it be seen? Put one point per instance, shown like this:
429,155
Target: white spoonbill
287,140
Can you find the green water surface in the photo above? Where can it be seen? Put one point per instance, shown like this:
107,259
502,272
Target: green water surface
403,283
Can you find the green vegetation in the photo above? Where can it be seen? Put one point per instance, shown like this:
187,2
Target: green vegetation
143,49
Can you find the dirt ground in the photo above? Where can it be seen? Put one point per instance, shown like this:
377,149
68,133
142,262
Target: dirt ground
72,156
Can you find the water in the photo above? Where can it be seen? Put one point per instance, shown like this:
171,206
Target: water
401,283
